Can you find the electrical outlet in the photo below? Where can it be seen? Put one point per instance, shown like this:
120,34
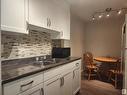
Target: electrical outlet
124,91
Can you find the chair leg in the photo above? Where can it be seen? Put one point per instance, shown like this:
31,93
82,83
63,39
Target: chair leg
89,74
110,75
115,80
98,75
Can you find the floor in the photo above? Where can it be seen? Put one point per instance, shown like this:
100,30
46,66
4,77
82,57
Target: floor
96,87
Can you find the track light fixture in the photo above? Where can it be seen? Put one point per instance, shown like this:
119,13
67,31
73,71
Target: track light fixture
107,13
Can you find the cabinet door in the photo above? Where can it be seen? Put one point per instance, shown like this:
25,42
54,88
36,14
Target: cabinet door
37,90
60,18
52,86
39,12
66,22
63,19
76,80
67,84
13,15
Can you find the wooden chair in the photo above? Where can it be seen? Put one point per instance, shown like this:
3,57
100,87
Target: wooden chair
115,73
90,66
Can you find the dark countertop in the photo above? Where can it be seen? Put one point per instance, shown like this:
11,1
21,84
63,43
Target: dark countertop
16,69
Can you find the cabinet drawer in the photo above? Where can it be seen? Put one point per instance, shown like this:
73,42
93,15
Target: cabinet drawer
21,85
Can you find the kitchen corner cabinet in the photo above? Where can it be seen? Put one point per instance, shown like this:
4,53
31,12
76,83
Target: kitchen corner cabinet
14,15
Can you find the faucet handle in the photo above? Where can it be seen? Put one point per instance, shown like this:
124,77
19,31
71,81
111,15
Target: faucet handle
44,57
37,58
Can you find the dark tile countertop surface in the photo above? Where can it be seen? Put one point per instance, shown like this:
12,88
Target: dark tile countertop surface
19,68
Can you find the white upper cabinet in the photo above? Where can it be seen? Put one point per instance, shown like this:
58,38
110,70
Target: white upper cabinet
62,18
39,13
42,14
14,15
51,14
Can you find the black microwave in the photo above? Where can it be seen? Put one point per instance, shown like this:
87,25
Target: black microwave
60,52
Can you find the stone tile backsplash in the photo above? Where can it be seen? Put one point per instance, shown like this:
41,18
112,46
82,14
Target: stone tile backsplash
21,46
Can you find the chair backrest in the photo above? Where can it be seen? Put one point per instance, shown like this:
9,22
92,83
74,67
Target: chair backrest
88,58
118,65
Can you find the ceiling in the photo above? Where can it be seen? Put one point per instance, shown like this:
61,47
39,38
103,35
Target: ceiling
85,8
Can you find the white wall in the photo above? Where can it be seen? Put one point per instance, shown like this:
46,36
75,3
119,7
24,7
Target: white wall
77,36
103,38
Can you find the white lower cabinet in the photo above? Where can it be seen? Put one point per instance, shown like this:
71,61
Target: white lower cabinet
66,88
76,81
37,90
59,85
52,86
22,85
61,80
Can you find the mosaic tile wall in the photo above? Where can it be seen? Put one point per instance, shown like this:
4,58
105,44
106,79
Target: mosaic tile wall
56,43
60,43
21,46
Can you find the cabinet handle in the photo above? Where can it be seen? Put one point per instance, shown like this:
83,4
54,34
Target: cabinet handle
73,74
27,27
42,91
61,33
27,84
77,64
47,22
61,82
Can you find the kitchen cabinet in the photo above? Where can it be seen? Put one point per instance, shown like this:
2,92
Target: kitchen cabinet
52,86
60,80
76,81
39,12
65,19
50,14
23,84
76,77
37,90
59,85
66,88
63,80
62,19
14,16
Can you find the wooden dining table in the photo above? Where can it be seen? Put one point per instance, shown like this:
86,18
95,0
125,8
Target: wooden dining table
106,59
107,63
